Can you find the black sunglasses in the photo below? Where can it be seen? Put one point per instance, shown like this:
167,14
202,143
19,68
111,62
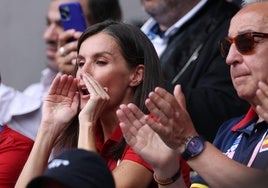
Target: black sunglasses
243,42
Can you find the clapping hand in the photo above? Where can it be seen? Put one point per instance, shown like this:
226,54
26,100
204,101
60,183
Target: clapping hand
61,103
170,111
142,138
262,94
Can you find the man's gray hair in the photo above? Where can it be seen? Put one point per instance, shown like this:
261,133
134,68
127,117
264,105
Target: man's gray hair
247,2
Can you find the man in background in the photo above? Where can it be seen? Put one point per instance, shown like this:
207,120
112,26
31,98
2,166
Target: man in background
185,34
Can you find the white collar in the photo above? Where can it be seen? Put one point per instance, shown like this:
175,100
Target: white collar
151,22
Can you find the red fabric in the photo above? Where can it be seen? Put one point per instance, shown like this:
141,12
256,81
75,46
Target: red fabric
14,151
129,154
249,116
104,148
185,172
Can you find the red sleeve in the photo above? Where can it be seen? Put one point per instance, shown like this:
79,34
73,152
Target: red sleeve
132,156
185,172
129,154
14,151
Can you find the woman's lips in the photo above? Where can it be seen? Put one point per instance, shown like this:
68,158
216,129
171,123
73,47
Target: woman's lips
84,93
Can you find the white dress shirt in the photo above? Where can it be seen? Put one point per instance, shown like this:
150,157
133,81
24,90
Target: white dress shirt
160,42
21,111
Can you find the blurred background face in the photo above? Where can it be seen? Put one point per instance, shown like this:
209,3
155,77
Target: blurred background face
155,7
54,29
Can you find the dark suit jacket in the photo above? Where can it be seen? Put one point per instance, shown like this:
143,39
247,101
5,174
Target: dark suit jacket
192,59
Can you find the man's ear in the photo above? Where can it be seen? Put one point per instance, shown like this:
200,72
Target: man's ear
137,75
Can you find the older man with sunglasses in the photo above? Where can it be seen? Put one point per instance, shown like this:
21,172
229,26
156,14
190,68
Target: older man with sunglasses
239,154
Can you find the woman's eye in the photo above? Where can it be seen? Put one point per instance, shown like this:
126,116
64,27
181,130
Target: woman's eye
80,63
99,62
